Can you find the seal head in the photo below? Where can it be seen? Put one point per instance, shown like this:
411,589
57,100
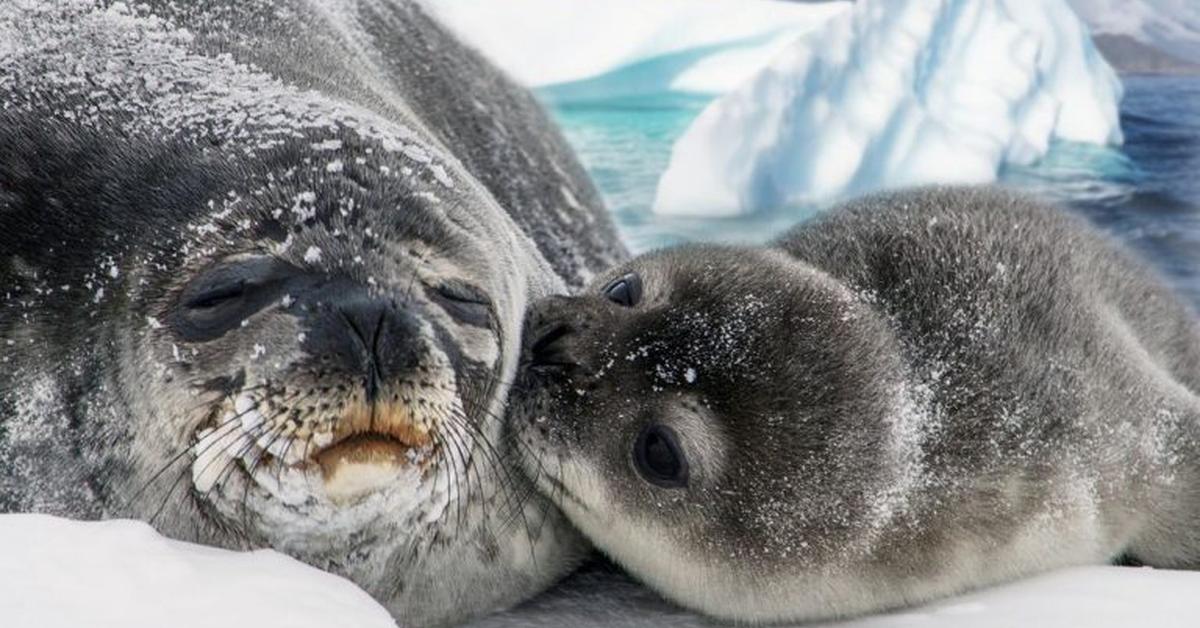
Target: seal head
263,275
682,413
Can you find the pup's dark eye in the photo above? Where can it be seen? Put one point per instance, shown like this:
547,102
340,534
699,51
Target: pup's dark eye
626,290
220,298
465,303
659,458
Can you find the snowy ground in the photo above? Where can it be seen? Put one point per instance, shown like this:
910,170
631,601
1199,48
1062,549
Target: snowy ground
58,573
1092,597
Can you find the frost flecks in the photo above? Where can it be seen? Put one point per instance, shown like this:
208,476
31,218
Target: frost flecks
80,63
35,450
439,173
327,145
304,207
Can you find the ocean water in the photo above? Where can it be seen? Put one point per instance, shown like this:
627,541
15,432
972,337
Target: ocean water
1146,192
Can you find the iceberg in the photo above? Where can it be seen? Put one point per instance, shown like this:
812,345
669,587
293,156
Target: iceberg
892,94
705,46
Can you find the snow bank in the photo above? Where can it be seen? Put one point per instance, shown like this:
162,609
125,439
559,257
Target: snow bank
1096,597
705,46
58,573
892,94
1091,597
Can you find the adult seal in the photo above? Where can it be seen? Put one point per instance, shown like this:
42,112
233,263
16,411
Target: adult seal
263,267
914,395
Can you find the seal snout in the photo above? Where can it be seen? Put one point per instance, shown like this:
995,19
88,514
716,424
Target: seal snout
549,350
554,330
370,337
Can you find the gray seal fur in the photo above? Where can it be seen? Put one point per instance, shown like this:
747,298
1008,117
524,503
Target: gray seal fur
263,267
913,395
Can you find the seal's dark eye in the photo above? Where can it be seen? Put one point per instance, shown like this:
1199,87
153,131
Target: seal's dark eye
659,459
220,298
626,290
465,303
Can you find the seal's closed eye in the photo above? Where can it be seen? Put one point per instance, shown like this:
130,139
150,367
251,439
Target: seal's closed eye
626,291
221,298
465,303
218,295
659,458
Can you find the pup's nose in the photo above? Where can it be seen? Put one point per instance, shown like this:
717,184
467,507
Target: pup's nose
549,350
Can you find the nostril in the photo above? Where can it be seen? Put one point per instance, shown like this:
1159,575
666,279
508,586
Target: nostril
377,333
548,349
549,337
366,322
355,328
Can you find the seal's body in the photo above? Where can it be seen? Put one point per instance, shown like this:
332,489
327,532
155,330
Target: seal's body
262,272
913,395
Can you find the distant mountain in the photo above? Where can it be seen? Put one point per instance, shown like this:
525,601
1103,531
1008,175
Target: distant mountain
1130,56
1168,26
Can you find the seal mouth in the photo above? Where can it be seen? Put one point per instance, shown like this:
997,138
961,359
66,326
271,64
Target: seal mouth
368,448
372,445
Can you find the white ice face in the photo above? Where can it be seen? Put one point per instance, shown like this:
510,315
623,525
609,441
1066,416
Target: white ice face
894,94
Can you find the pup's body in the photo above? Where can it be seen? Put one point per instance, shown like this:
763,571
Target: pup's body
914,395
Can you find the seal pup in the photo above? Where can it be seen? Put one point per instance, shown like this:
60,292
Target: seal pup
263,267
913,395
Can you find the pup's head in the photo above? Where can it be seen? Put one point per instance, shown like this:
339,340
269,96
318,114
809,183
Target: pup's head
708,415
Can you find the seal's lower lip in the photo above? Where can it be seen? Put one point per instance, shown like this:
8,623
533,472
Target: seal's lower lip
366,463
361,449
372,447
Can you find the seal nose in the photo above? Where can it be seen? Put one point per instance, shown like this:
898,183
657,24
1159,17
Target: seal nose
549,351
555,335
372,337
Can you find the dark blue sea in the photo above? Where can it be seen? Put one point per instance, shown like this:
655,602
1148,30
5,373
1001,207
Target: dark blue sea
1146,191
